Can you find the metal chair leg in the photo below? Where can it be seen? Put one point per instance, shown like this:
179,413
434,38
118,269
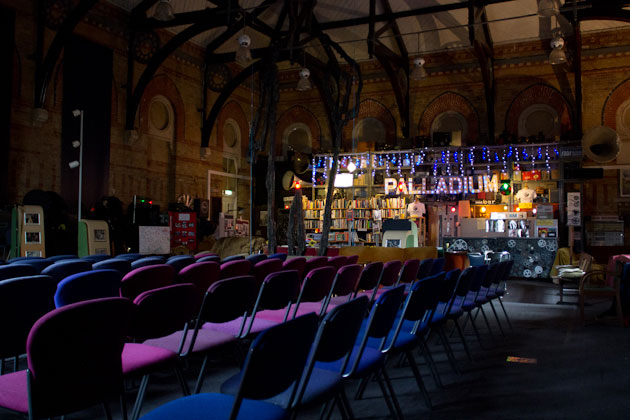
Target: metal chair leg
506,315
123,404
392,411
426,353
463,337
182,380
419,381
497,317
346,403
202,373
392,394
108,412
135,413
487,323
449,350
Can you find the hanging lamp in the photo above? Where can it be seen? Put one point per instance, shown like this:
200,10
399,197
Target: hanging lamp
557,55
164,11
418,72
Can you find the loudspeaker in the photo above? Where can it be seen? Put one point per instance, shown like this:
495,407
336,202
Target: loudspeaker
202,208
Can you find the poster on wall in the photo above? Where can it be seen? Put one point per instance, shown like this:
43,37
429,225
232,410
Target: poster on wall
624,183
574,209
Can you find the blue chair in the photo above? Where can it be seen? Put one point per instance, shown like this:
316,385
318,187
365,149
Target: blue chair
16,259
475,259
37,264
425,268
180,261
438,266
256,258
497,290
56,258
63,269
88,285
96,258
130,256
456,310
209,258
143,262
232,258
475,299
366,361
123,266
279,255
274,363
10,271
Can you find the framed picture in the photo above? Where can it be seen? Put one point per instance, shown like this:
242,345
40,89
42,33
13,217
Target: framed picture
99,235
32,238
31,218
624,182
393,243
33,254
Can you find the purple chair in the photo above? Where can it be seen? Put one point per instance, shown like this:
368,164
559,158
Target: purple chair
209,258
74,360
352,259
313,263
146,278
345,284
88,285
316,290
425,268
160,312
370,278
409,272
63,269
264,268
391,272
235,268
143,262
118,264
201,274
224,301
23,300
337,262
204,254
37,264
296,263
438,266
11,271
180,261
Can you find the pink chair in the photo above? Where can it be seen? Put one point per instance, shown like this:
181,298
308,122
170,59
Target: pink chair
337,262
315,292
313,263
352,259
262,269
235,268
296,263
201,274
391,272
346,283
146,278
370,278
409,272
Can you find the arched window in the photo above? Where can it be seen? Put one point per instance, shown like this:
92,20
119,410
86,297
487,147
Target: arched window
539,119
161,118
450,128
370,134
298,138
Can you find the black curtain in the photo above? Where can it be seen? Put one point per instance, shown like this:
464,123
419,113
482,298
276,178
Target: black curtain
7,30
87,86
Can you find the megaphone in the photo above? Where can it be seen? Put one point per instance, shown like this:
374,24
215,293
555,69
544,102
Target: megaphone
287,180
601,144
301,162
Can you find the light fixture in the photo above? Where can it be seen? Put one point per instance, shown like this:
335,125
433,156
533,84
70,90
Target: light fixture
557,55
418,72
453,209
227,192
243,54
164,11
351,167
483,210
74,164
78,113
505,208
304,83
548,8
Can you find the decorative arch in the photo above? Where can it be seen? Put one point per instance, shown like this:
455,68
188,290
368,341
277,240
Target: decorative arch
617,102
293,115
233,111
451,102
539,94
163,85
372,109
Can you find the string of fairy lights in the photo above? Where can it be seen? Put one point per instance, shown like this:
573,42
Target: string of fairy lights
441,161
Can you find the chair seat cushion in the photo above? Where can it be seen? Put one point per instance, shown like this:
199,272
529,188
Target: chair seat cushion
13,392
215,406
140,359
205,341
233,327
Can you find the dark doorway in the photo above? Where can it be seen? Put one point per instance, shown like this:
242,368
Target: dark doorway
87,86
7,30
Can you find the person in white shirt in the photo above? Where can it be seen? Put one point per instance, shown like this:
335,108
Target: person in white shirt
525,195
416,209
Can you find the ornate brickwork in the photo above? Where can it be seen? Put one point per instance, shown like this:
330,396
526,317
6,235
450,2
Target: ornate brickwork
451,101
233,111
373,109
618,96
163,85
298,114
539,94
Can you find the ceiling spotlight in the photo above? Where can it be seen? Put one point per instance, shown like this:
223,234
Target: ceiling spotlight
74,164
243,54
351,167
304,83
76,144
557,55
548,8
164,11
418,72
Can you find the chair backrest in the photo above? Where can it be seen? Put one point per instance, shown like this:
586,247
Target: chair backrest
424,270
317,284
262,269
143,262
466,278
371,275
146,278
17,259
494,270
256,258
99,257
131,256
235,268
585,262
447,290
391,270
201,274
209,258
409,272
118,264
11,271
480,272
232,258
37,264
276,359
63,269
476,259
352,259
297,263
88,285
279,255
164,311
202,254
337,262
226,300
313,263
347,279
74,356
279,290
335,339
438,265
180,261
23,300
56,258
